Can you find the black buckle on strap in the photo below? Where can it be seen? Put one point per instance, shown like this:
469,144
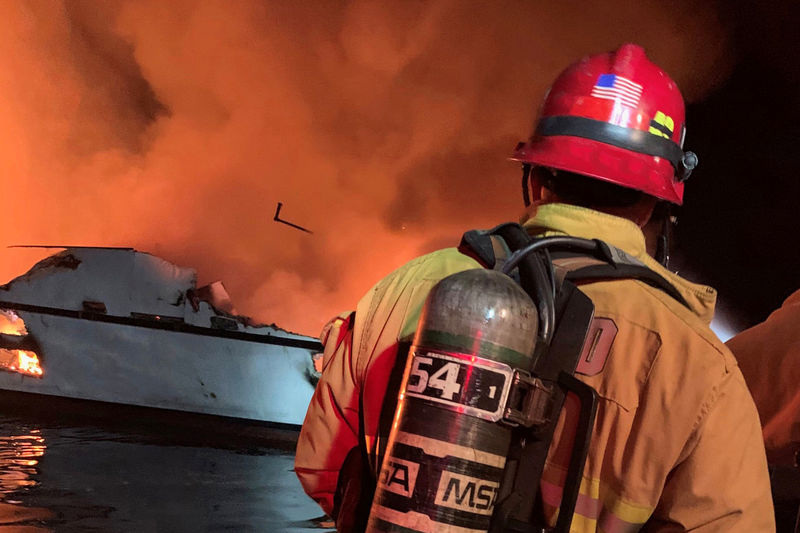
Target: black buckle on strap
529,401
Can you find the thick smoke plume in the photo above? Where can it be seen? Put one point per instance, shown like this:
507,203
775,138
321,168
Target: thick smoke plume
384,127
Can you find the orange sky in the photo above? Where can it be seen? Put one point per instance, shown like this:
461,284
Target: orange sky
176,127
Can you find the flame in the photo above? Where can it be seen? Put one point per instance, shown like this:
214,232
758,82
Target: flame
27,363
21,361
11,323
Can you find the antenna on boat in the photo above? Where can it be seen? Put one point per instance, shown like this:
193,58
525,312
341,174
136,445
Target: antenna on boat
277,218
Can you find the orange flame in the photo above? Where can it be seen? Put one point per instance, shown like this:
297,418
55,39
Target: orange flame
27,363
11,323
21,361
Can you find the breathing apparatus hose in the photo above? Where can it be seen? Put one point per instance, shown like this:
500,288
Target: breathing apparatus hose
534,277
565,243
533,261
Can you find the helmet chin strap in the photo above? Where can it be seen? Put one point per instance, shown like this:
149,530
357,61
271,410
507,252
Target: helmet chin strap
663,242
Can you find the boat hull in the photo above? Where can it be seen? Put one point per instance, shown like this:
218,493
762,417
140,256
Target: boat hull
152,364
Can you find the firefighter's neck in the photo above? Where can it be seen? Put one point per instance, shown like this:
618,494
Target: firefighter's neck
640,213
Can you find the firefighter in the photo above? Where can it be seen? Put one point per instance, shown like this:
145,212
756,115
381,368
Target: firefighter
676,443
769,356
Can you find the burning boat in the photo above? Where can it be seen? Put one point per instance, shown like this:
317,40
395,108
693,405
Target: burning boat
123,327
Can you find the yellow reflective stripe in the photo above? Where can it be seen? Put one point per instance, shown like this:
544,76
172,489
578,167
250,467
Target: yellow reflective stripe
592,492
580,523
629,512
605,523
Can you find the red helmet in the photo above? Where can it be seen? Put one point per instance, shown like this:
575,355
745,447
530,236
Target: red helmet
616,117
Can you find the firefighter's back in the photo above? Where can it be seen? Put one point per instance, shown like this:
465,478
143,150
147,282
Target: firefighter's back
676,441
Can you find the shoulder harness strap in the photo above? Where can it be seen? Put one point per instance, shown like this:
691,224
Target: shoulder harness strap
487,248
607,263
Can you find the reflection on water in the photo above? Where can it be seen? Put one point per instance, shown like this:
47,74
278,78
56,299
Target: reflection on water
19,456
55,478
21,448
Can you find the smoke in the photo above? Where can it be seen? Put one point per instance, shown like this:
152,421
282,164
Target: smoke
384,127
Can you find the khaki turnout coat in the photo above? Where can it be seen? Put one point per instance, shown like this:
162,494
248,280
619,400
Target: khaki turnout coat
676,445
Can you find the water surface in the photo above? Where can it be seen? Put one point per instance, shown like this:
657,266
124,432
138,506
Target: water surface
56,477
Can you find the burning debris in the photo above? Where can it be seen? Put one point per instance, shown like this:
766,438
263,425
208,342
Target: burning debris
11,324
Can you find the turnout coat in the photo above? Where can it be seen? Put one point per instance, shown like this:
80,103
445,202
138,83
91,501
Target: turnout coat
676,445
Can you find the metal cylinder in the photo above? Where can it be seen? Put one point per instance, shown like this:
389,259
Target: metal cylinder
446,450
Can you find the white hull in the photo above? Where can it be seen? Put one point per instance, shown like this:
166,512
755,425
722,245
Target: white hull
91,360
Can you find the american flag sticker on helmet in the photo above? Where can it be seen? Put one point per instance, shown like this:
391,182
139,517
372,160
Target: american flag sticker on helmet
617,88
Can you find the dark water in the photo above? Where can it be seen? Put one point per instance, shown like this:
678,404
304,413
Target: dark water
86,478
